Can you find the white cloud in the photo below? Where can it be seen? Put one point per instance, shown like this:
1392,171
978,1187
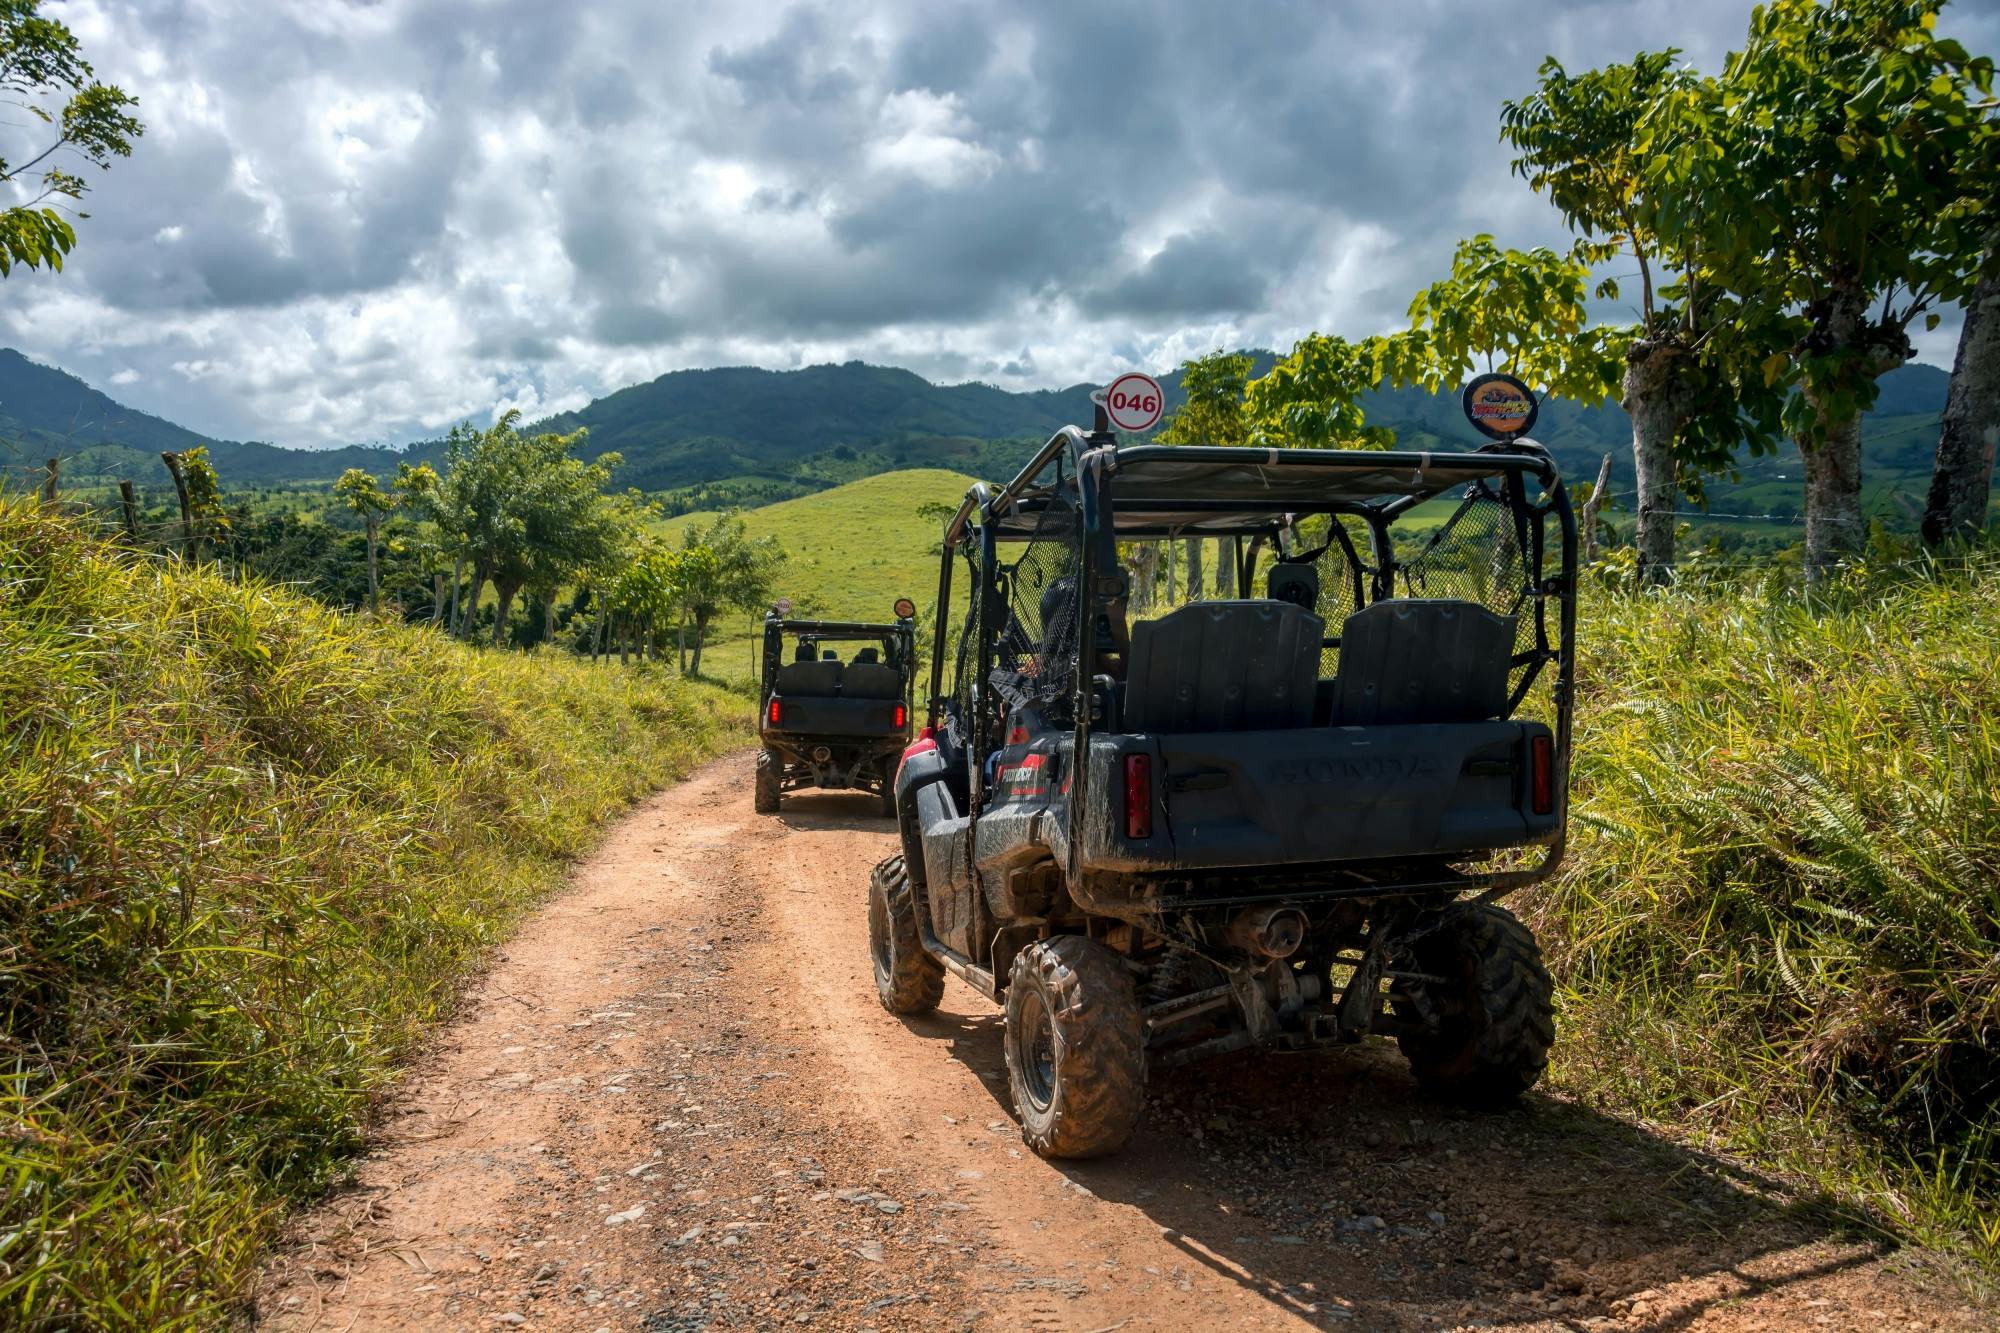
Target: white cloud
362,222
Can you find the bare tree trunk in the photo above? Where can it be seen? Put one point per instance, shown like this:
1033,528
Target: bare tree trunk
681,646
1655,400
1167,553
173,462
1957,504
437,597
471,617
1194,545
1591,507
51,482
457,576
700,632
1833,495
374,583
1832,455
549,618
505,592
131,504
623,641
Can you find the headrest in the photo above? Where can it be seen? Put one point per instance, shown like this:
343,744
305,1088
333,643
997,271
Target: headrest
867,655
803,653
1294,583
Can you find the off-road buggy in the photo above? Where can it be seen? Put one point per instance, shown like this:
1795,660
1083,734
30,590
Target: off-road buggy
830,723
1281,819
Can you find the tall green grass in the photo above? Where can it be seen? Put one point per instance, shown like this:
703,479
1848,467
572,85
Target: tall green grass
249,847
1780,927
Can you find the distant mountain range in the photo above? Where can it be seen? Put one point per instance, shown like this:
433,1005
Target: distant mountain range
771,434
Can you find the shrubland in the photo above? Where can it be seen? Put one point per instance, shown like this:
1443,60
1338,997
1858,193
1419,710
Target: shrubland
249,849
1779,927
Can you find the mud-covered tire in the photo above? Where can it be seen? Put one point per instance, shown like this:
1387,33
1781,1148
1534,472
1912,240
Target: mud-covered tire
907,979
1497,1018
1076,1049
770,776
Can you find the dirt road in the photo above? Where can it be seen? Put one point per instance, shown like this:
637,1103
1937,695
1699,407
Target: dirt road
675,1105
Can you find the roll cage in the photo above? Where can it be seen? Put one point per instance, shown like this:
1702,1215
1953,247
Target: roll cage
1085,493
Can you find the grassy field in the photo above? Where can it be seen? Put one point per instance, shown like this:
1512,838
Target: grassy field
851,552
249,847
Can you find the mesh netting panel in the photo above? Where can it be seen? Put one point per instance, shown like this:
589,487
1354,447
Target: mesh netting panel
1345,574
1035,639
1485,553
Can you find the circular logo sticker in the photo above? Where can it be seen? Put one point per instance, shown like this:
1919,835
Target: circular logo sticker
1500,407
1134,402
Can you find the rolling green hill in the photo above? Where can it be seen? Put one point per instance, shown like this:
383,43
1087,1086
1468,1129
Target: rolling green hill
850,553
742,436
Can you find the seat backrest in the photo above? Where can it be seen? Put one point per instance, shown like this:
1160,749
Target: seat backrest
1223,666
1422,660
871,680
809,680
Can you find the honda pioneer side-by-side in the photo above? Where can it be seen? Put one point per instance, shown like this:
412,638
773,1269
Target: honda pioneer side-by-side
1281,819
828,722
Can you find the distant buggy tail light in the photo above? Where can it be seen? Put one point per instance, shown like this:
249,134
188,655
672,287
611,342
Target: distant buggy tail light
1542,775
902,717
1138,796
777,711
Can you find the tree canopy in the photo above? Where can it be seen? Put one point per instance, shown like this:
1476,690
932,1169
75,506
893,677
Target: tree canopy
43,74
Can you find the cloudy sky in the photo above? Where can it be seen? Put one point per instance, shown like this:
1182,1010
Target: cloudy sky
361,220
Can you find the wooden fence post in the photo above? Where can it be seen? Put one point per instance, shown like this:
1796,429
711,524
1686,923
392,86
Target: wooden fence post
49,483
1590,508
131,504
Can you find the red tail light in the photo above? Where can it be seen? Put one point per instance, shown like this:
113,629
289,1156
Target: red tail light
902,717
1542,775
776,712
1138,796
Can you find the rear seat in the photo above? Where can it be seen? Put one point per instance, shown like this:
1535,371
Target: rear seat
809,680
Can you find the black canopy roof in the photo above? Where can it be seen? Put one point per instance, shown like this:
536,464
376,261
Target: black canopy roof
1160,490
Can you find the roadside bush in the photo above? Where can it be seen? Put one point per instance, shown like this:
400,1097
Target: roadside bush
1780,925
249,847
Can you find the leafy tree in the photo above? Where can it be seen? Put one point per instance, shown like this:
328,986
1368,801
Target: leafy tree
723,567
364,494
1312,398
1821,171
43,74
1683,372
1212,413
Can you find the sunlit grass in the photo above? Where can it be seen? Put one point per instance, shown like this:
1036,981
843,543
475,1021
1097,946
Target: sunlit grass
249,848
1780,925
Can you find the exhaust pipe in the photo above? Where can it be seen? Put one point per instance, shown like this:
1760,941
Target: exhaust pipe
1274,932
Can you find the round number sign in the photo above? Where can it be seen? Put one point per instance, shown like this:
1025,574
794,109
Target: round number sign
1134,402
784,605
1500,407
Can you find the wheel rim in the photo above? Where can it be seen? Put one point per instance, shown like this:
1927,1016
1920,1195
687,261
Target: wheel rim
1034,1040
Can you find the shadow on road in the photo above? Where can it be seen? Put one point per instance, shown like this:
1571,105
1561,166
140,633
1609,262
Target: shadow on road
1329,1177
820,811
